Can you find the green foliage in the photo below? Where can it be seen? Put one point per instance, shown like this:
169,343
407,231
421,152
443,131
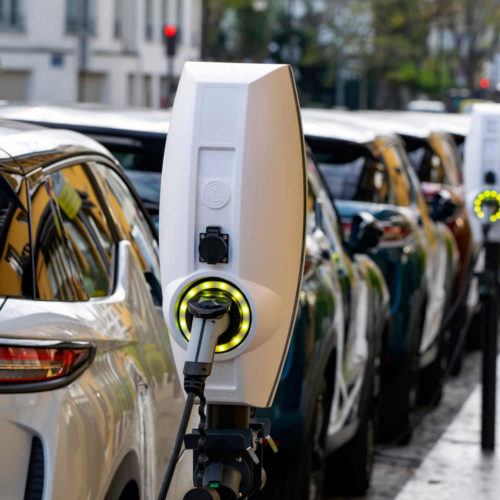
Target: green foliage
401,43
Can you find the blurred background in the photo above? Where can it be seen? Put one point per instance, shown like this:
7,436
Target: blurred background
376,54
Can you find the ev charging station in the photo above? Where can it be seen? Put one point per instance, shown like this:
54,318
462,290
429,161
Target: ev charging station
482,188
232,242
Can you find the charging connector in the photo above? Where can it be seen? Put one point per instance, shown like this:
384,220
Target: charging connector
210,320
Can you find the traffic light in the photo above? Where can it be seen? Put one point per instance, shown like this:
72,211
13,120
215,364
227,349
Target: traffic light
484,83
170,32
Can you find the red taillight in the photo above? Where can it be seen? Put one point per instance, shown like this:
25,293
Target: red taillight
307,265
396,233
347,229
32,364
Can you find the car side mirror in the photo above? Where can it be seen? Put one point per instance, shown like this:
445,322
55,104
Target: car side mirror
366,233
443,206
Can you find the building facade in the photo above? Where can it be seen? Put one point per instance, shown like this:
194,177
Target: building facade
107,51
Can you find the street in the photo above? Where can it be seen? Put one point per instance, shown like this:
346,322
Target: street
395,465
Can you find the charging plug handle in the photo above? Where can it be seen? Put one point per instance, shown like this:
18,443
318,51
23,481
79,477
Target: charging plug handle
210,320
209,307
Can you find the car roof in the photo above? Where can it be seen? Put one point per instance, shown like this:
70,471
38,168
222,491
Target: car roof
408,123
452,123
22,142
330,124
123,122
384,122
91,117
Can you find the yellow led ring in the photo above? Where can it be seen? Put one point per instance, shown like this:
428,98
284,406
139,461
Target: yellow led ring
485,196
223,288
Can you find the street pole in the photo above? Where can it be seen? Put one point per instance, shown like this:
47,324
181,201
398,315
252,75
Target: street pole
489,328
170,75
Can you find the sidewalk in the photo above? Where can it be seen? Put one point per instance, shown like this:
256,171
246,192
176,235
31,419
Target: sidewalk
456,468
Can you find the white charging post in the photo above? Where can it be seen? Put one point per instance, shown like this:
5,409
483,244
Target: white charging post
482,187
232,241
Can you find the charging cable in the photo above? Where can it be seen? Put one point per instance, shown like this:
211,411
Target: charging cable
210,320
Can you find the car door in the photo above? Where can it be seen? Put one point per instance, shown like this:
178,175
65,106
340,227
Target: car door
165,395
108,237
354,349
409,195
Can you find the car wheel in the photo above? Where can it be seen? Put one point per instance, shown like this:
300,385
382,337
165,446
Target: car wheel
397,405
300,476
349,469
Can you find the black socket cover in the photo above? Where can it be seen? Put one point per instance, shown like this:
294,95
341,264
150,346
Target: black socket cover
213,247
489,177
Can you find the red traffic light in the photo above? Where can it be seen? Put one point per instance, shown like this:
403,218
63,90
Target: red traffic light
484,83
170,31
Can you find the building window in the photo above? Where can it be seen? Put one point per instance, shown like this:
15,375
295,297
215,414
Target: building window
81,16
14,85
119,15
147,100
148,18
91,87
11,15
131,89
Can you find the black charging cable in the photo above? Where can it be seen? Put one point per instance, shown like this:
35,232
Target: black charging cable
196,369
177,446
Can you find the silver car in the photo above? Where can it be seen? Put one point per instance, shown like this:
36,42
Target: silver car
89,399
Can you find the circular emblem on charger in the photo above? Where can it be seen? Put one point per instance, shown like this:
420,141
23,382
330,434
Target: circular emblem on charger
216,194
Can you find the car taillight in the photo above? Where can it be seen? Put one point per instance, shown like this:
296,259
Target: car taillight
31,365
347,229
396,233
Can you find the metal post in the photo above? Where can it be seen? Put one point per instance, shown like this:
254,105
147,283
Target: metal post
228,417
170,80
489,327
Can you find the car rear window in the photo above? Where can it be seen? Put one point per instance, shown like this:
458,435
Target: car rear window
15,264
351,172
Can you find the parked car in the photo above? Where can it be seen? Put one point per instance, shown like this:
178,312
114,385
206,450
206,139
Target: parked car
455,124
324,402
89,397
369,171
426,106
347,408
434,156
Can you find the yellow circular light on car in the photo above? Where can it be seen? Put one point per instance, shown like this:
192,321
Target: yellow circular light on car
240,315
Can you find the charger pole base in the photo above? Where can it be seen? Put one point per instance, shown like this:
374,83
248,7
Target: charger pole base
489,329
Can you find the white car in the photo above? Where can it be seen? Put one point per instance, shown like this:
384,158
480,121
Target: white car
89,397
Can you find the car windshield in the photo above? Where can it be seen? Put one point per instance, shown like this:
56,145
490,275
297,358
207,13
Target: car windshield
351,172
435,160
